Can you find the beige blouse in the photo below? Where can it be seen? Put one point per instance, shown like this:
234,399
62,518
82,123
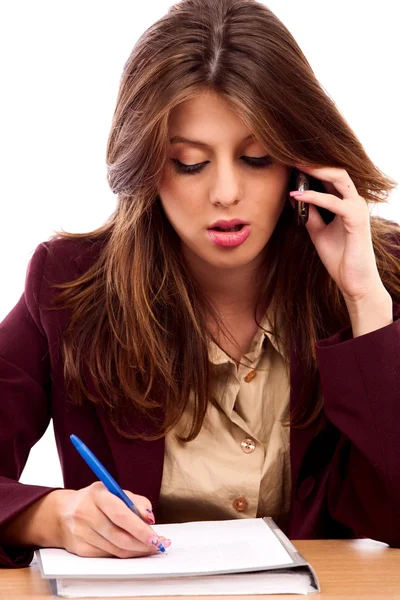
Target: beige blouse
238,466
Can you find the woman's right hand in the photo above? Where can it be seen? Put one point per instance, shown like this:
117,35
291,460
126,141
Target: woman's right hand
92,522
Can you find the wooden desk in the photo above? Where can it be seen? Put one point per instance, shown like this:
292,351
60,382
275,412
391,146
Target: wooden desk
347,569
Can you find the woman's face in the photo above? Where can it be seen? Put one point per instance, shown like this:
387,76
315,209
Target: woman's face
226,187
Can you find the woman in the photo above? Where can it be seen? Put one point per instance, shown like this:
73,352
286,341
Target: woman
219,359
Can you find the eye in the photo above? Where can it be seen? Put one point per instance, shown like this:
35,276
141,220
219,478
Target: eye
258,163
253,162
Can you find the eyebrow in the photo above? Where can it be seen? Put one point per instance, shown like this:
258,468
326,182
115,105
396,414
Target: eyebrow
179,139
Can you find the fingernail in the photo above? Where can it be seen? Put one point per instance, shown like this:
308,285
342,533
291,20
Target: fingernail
154,541
296,193
150,516
167,543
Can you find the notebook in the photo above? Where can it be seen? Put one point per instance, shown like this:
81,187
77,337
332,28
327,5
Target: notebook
233,557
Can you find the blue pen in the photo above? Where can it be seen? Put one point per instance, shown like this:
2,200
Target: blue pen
105,477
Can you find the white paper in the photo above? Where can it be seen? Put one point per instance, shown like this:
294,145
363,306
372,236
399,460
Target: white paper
197,548
263,582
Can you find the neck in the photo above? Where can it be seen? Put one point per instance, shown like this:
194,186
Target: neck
234,292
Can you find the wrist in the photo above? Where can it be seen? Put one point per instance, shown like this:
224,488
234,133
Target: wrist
371,313
40,521
54,537
37,525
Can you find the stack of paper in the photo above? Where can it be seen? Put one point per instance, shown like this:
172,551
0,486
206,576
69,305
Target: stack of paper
241,556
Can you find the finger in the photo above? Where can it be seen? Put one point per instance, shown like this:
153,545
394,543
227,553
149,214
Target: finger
330,188
82,548
90,543
315,223
328,201
143,505
119,538
119,514
97,521
114,542
336,176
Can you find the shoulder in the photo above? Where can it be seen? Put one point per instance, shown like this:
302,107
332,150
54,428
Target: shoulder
63,259
56,261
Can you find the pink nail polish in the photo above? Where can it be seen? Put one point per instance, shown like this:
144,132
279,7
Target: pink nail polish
150,516
296,193
154,541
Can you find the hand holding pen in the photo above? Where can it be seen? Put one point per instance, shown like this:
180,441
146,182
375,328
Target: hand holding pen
97,523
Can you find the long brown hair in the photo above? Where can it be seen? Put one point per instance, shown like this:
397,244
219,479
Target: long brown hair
145,336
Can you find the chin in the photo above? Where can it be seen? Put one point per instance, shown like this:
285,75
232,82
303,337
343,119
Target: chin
230,261
224,258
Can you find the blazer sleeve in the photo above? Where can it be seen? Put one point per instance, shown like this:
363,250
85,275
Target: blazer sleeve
25,410
360,379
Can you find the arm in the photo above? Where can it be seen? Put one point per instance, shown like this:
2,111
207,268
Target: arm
360,384
25,412
372,313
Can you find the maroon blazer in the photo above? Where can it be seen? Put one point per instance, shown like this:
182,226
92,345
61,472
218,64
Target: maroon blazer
345,479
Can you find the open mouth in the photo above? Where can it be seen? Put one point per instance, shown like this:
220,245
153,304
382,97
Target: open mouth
228,229
229,237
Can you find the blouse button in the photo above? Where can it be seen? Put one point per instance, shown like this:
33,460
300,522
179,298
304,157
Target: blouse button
250,376
248,445
240,504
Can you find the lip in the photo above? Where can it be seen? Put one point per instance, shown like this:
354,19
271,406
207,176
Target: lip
226,224
229,239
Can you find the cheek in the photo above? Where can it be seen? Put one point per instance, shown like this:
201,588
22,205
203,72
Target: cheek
180,201
270,199
168,192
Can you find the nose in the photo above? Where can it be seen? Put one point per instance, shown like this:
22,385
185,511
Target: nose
225,190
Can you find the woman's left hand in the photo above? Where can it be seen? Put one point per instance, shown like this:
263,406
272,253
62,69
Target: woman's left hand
345,244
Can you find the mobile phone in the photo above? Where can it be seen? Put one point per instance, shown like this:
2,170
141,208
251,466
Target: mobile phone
302,184
301,181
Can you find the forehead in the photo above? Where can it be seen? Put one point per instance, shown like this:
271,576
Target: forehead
206,116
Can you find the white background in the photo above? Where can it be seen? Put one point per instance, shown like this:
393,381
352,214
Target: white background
60,68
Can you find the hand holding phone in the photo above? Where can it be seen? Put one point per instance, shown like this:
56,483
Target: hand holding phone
301,181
